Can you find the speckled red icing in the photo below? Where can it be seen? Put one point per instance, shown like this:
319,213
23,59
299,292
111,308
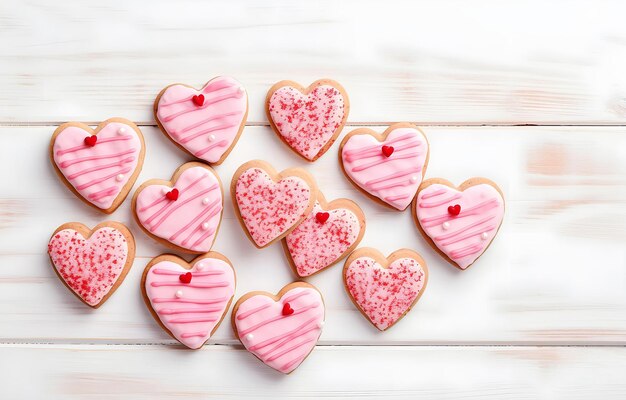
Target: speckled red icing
90,267
314,245
466,236
384,294
307,122
269,209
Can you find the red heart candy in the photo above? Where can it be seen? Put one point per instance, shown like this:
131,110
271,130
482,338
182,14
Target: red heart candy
322,217
91,140
198,99
172,194
287,310
387,150
185,278
454,210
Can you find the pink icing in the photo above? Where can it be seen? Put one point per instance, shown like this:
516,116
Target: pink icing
90,267
314,246
100,172
393,179
469,233
281,341
192,315
269,209
207,131
307,122
190,222
384,294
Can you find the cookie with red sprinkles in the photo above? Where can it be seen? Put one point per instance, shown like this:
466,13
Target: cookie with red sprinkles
271,204
92,263
308,120
329,233
384,289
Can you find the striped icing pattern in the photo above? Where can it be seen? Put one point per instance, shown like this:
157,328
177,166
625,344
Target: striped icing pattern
190,222
190,311
281,341
394,179
209,130
98,173
464,237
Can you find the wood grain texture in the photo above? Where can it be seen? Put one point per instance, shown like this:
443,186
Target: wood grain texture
89,372
554,275
425,61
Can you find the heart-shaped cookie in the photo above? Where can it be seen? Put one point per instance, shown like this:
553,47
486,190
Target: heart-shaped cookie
205,123
189,300
100,166
389,167
92,263
326,235
385,289
280,330
459,223
270,204
308,119
184,213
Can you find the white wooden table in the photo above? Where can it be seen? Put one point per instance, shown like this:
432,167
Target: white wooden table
534,92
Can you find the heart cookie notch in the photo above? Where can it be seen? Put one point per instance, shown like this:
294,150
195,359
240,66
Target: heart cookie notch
184,213
459,223
98,165
189,300
205,123
387,167
330,232
385,289
92,263
308,120
280,330
269,204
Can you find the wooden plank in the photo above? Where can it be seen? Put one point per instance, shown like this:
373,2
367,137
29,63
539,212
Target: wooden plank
90,372
554,275
493,62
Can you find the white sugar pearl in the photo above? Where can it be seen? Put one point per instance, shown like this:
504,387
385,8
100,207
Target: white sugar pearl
320,324
211,138
205,201
121,131
200,266
165,190
205,226
240,90
249,336
414,179
119,177
445,226
484,236
179,294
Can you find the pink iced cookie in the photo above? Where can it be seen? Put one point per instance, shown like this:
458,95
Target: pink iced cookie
385,289
92,263
270,204
387,167
206,123
459,223
189,300
308,119
100,165
280,330
331,231
185,212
